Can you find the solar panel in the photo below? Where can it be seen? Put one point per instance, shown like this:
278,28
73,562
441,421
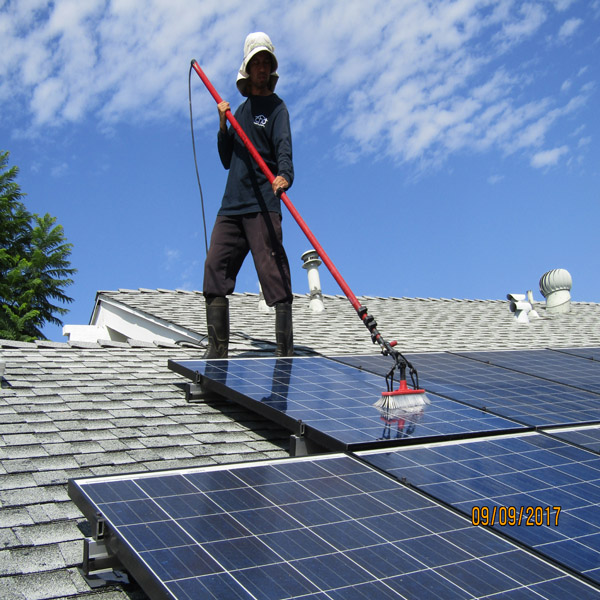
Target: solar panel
332,403
537,490
372,363
591,353
555,366
514,395
586,437
323,528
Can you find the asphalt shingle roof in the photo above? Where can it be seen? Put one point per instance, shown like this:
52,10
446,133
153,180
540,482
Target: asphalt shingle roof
77,412
418,324
70,410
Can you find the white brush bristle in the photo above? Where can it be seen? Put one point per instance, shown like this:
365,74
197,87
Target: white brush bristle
402,402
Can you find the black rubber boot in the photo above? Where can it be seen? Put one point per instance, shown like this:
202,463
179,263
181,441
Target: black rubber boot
217,325
284,331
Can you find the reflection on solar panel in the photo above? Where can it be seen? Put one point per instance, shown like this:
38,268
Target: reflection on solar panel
586,437
324,528
555,366
524,398
490,480
334,402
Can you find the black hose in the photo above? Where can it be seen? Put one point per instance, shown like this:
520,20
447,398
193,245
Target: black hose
195,159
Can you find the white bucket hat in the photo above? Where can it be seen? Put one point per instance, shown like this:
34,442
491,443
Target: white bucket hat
255,43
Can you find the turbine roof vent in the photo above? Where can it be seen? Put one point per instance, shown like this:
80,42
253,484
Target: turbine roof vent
555,286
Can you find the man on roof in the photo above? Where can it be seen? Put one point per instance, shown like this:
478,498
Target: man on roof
249,219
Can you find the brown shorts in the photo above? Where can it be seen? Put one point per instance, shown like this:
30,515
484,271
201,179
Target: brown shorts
233,236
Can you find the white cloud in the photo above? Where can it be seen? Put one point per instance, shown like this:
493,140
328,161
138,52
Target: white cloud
412,80
189,275
528,19
566,85
172,254
548,158
569,27
584,141
562,5
47,99
59,170
171,259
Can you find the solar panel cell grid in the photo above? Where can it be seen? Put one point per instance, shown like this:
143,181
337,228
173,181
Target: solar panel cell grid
344,530
586,437
554,366
520,396
333,527
493,479
338,401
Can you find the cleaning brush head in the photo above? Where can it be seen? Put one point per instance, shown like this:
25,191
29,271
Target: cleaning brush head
404,398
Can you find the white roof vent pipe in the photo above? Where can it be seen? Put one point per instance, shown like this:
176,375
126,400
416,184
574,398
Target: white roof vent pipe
263,307
533,314
555,286
312,262
520,307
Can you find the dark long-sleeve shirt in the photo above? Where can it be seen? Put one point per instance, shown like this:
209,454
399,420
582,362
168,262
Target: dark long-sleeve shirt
265,120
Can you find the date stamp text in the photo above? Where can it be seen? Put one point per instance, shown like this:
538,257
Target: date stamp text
530,516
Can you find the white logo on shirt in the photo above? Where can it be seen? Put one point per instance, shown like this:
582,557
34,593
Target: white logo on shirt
260,120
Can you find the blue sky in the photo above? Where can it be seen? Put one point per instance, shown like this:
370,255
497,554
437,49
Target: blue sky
442,149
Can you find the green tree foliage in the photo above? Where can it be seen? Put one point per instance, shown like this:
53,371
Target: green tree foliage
34,264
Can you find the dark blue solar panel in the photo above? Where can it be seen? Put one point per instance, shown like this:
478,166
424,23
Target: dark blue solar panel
338,401
586,437
555,366
349,532
591,353
534,488
514,395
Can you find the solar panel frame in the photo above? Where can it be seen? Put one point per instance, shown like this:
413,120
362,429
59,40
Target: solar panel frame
400,541
332,404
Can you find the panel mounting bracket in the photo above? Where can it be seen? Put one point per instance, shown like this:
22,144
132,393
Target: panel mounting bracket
99,566
97,558
194,392
302,446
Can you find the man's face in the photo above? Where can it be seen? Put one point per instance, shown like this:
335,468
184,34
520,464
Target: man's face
259,70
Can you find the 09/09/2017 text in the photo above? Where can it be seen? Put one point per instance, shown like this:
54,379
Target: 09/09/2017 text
530,516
